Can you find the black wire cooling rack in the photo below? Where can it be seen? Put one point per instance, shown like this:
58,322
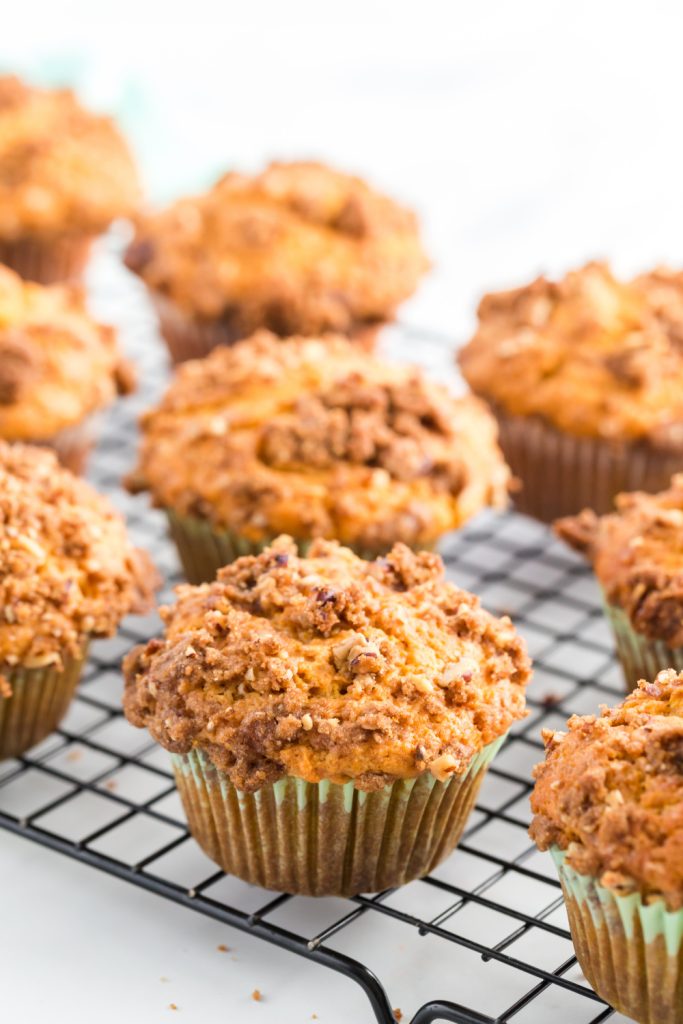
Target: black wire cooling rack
486,933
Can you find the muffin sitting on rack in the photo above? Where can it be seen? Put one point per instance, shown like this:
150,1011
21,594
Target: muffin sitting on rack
57,367
296,249
330,719
65,175
585,376
313,438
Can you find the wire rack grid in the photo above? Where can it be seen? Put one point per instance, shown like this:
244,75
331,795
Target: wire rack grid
484,938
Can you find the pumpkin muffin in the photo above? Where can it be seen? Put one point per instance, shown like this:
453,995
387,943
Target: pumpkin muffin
637,554
297,249
608,804
57,367
67,574
315,439
585,376
350,706
65,175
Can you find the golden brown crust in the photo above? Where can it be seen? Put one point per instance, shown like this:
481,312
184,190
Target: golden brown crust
637,554
56,364
589,354
63,169
67,569
610,792
297,249
316,438
329,667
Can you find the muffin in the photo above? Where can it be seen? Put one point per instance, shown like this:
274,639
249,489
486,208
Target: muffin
585,376
65,175
349,706
57,367
313,438
608,804
67,574
637,554
296,249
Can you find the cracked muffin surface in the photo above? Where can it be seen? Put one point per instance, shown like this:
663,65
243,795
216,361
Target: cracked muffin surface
57,365
592,355
63,169
610,793
297,249
329,667
315,438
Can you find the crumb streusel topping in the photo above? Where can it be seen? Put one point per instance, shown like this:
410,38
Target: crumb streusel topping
610,792
67,569
592,355
63,169
329,667
297,249
316,438
57,364
637,554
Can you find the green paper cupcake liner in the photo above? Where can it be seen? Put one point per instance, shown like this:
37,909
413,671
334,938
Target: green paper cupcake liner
562,474
203,550
327,839
39,700
630,952
640,657
47,260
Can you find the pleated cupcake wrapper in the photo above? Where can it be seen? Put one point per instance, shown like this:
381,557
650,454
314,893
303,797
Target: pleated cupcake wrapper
40,698
562,474
630,952
190,338
640,657
49,260
327,839
203,549
72,445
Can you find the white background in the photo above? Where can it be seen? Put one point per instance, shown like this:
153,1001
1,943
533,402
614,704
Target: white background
530,136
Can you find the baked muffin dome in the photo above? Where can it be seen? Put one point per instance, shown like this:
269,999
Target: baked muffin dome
297,249
329,667
610,793
63,169
67,569
316,438
589,354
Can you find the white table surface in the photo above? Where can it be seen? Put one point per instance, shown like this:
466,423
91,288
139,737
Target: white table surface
530,136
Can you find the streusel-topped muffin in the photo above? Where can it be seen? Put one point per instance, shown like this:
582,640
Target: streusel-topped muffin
586,378
345,681
65,175
57,367
314,438
67,574
297,249
637,554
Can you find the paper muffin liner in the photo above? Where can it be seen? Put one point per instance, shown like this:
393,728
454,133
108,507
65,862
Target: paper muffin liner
562,474
190,338
47,260
640,657
203,550
631,952
327,839
39,700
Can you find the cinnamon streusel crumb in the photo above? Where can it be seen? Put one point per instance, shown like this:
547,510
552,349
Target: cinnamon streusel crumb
329,667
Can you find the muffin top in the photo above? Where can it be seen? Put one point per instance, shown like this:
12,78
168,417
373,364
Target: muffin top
637,554
62,168
67,569
298,248
329,667
591,355
316,438
56,364
610,792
